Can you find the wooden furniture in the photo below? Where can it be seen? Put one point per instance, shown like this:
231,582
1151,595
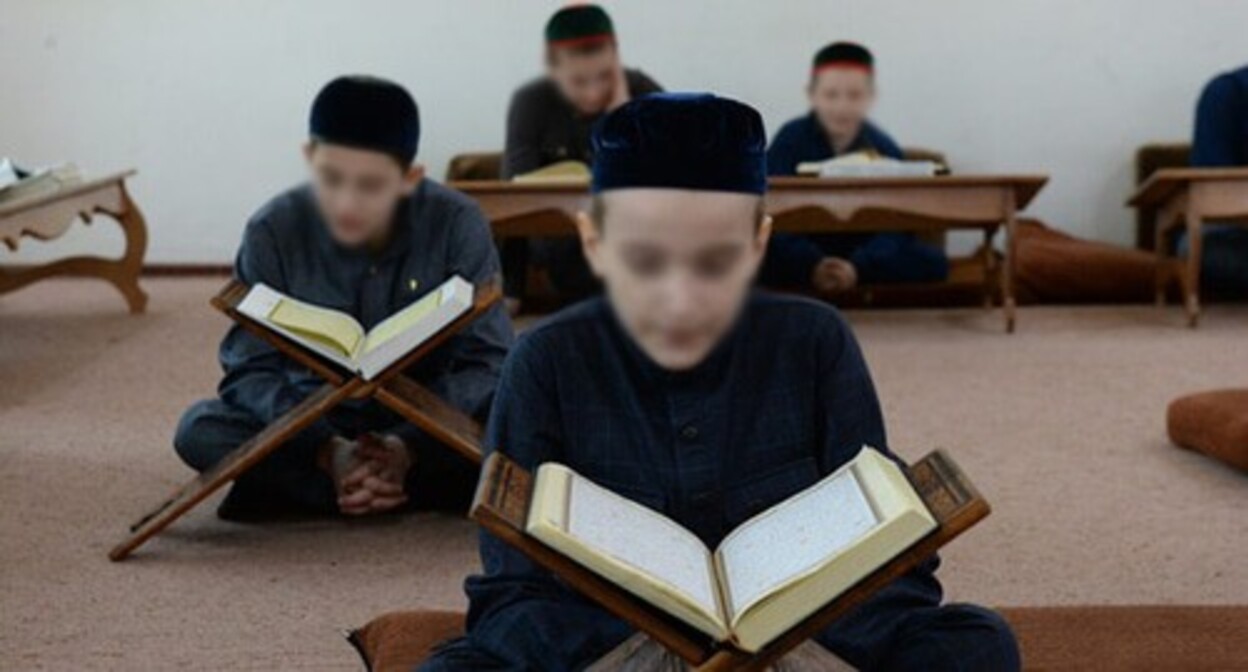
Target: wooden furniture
489,165
392,388
982,202
50,216
1188,197
1149,159
502,506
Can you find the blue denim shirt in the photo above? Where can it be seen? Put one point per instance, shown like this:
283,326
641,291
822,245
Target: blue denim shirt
784,400
287,245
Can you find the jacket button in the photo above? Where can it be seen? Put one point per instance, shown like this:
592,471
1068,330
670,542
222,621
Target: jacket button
689,432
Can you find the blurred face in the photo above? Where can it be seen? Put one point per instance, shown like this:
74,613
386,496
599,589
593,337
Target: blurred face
585,78
357,190
677,266
841,98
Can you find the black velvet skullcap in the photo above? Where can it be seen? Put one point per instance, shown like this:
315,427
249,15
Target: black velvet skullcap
366,113
695,141
844,55
579,24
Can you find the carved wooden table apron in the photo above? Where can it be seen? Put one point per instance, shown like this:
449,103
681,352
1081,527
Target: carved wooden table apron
1189,197
49,217
986,202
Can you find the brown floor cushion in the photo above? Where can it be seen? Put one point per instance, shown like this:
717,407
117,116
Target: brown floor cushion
400,640
1113,639
1214,423
1055,267
1109,639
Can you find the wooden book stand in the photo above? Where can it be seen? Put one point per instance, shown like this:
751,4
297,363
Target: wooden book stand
409,399
502,506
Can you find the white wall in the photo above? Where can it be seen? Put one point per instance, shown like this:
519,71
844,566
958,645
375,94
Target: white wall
207,98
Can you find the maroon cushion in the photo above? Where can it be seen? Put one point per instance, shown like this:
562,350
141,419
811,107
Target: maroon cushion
1109,638
1055,267
401,640
1214,423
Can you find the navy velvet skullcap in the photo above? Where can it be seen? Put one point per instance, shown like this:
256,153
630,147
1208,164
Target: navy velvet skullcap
695,141
367,113
579,24
843,55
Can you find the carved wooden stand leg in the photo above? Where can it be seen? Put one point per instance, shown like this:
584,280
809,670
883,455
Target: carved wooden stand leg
124,274
235,464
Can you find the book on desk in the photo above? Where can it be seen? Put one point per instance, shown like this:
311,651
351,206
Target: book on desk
869,164
774,582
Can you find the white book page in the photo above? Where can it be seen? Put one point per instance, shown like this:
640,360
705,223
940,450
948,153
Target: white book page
643,539
794,538
409,328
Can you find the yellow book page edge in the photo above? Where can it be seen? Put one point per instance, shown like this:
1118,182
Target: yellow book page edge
328,328
403,320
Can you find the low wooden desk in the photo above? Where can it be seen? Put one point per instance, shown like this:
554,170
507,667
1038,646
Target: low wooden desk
982,202
48,217
1189,197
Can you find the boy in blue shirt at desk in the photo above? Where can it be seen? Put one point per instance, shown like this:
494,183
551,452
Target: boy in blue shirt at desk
693,395
1220,140
841,93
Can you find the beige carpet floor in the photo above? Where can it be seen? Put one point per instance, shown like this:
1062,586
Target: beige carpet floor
1061,424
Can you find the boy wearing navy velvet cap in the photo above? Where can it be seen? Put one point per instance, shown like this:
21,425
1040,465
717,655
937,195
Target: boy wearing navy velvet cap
841,92
690,393
367,236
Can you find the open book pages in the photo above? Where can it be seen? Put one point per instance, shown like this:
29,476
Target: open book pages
867,164
769,574
340,338
570,172
630,545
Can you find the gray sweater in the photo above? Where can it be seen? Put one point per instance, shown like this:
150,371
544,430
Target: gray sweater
287,245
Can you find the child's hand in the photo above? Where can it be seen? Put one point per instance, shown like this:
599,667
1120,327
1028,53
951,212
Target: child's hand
833,274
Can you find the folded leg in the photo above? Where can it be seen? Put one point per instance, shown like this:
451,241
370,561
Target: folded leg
899,257
212,429
460,655
953,637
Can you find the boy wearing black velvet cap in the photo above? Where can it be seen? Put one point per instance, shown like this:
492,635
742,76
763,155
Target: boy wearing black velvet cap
841,92
367,236
690,393
550,120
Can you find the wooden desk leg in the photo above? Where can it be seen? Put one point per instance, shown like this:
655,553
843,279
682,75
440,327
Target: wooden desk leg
991,273
1191,268
1161,277
1009,262
126,275
234,465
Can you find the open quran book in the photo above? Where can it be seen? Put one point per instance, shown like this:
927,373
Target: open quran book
868,164
768,575
338,337
563,172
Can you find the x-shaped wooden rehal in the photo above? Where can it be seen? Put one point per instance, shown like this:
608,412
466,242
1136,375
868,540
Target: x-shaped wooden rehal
391,387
